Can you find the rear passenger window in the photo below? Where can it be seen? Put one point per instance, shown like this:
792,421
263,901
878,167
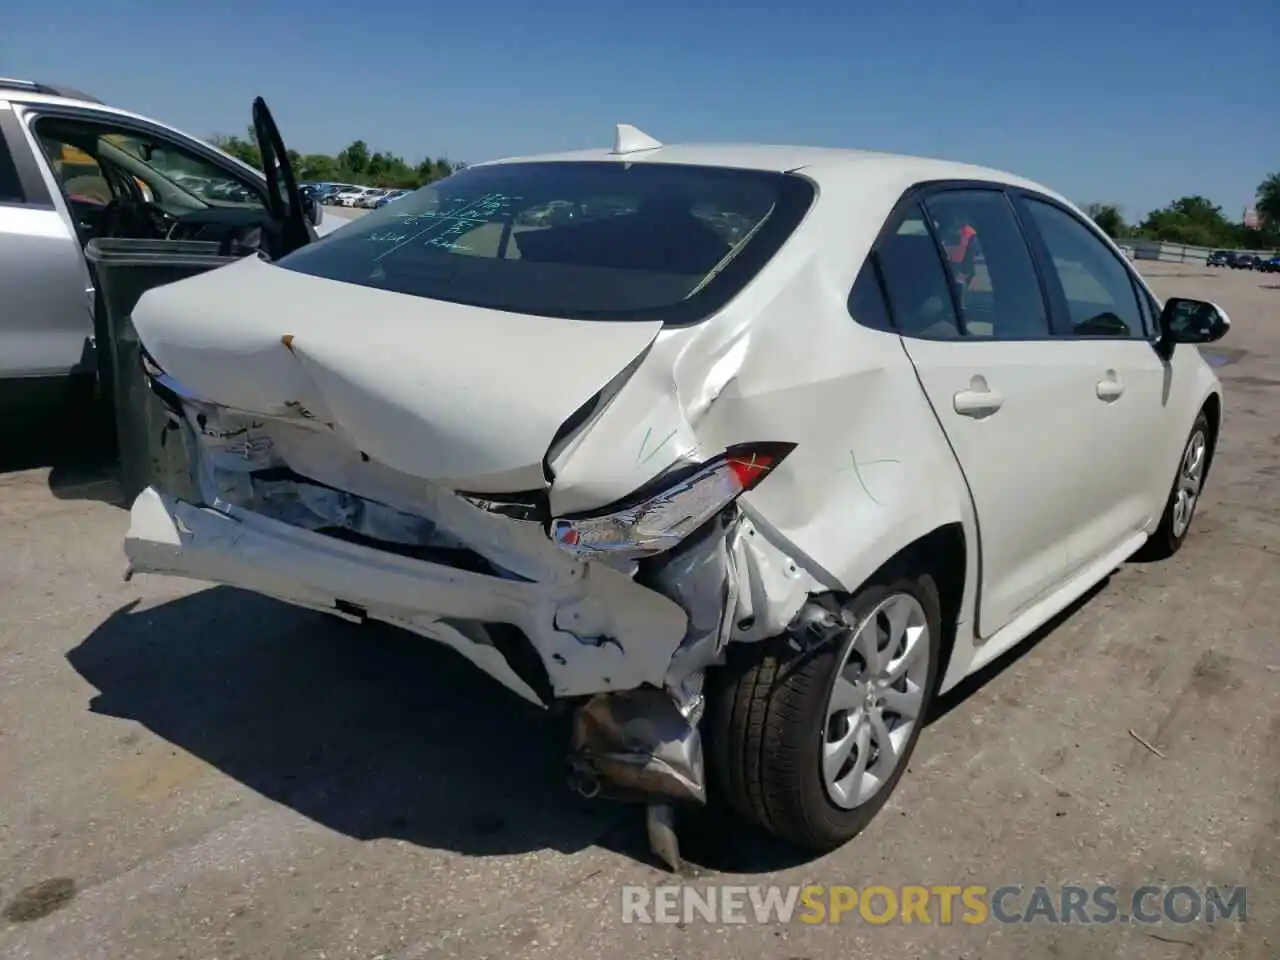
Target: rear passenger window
990,264
866,302
10,187
1096,285
915,281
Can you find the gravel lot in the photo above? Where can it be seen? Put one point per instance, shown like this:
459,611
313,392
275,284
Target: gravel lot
344,213
201,773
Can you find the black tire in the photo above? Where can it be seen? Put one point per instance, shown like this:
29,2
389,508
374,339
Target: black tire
766,714
1165,542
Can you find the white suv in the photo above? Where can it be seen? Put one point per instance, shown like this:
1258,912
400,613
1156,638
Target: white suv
73,169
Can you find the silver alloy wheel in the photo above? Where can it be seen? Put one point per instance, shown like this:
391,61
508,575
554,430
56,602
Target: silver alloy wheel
876,701
1187,486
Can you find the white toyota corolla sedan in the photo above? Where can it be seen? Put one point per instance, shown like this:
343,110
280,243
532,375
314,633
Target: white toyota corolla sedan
743,453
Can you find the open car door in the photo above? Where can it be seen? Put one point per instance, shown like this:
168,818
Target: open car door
294,214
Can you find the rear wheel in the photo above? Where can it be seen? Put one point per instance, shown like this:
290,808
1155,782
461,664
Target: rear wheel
809,744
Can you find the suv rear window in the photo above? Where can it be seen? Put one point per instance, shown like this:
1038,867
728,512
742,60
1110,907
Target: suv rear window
583,240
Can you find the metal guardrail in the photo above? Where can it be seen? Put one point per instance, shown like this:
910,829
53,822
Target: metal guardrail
1180,253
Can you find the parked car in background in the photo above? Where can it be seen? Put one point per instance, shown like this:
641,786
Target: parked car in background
352,196
1127,250
370,197
330,192
74,169
1219,258
745,506
390,197
1272,265
1245,261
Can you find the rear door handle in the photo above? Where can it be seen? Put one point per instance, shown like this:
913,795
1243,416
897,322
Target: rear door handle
1109,388
979,401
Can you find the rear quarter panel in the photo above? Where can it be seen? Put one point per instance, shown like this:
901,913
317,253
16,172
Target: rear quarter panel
785,361
872,471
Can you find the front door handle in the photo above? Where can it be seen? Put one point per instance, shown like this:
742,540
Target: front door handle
1109,388
979,401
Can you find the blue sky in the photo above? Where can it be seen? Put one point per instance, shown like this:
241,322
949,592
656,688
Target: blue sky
1132,101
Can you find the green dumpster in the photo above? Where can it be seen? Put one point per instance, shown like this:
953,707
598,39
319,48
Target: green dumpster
124,270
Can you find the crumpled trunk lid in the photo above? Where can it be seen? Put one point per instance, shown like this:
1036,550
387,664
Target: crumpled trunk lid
464,396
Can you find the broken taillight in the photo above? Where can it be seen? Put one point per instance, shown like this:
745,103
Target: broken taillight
663,514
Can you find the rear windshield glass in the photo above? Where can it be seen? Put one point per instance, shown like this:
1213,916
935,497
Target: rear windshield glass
585,240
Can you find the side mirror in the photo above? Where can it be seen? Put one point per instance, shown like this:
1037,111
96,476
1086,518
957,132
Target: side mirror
1192,321
311,207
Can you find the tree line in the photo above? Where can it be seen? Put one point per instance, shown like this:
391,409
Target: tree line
1194,221
355,163
1197,222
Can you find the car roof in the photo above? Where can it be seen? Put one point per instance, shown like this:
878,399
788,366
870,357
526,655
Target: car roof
18,94
31,98
779,158
57,91
25,97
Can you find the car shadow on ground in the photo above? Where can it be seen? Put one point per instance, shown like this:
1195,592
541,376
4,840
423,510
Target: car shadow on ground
377,733
75,445
368,730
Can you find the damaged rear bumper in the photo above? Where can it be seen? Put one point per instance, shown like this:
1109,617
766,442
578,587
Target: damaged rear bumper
596,631
597,634
630,653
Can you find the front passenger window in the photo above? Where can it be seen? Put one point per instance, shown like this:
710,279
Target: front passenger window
1097,287
171,165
